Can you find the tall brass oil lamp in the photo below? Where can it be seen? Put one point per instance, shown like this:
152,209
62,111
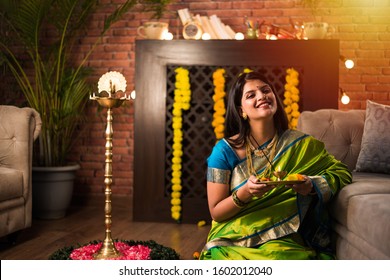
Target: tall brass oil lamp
109,83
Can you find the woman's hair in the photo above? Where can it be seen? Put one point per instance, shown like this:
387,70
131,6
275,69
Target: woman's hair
235,123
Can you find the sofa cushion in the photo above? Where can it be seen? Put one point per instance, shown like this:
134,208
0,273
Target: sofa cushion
362,184
366,215
11,183
341,131
374,154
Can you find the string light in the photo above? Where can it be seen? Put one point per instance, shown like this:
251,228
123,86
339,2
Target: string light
239,36
344,97
348,63
206,36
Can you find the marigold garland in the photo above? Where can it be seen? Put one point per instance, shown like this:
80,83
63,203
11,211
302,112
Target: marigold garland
182,98
219,103
291,97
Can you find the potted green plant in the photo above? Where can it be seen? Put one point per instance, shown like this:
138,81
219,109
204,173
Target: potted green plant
51,82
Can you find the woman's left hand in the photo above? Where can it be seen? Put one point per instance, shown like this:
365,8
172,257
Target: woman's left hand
303,188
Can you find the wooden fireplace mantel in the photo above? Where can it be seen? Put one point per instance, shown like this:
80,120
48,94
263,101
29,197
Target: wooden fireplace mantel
319,86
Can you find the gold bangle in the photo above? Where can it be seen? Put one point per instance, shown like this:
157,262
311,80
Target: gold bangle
238,202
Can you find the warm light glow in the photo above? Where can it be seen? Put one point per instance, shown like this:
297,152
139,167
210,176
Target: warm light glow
349,64
239,36
345,99
168,36
206,36
271,37
132,94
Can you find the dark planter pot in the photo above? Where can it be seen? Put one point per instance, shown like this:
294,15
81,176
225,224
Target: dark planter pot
52,190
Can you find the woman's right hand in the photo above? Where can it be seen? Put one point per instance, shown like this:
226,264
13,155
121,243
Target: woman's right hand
256,188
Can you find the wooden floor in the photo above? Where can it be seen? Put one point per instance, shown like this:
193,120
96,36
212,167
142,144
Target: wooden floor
86,223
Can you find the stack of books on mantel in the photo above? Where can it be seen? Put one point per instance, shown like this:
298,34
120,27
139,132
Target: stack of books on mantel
211,25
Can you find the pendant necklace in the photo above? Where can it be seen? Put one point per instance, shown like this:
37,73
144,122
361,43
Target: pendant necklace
260,151
272,153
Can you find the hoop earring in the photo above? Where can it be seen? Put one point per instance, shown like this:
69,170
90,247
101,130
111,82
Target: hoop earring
244,116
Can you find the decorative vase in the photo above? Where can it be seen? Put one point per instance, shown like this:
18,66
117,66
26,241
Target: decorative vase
52,191
316,30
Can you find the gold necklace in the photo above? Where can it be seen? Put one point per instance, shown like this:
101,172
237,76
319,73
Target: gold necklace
248,150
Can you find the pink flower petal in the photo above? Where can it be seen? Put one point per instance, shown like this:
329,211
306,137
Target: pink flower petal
135,252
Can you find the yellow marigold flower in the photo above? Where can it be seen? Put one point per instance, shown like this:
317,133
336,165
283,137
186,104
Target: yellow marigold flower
295,98
294,90
175,201
176,188
287,101
186,99
186,106
294,106
176,112
219,135
287,94
287,109
196,255
176,159
176,194
219,104
176,180
177,135
177,146
294,123
295,114
220,119
219,129
294,81
175,215
201,223
176,208
176,167
177,153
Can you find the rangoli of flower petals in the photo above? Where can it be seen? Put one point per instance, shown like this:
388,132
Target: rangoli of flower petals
112,82
135,252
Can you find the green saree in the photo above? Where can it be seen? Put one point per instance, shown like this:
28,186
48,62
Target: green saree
282,224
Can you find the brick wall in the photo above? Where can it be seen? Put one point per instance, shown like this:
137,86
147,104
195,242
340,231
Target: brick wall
363,28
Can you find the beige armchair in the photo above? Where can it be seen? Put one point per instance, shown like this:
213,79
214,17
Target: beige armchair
19,127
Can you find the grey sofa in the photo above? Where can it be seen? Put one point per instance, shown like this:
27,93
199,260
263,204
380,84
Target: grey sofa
19,127
361,210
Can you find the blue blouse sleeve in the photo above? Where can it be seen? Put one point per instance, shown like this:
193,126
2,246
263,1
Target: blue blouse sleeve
222,157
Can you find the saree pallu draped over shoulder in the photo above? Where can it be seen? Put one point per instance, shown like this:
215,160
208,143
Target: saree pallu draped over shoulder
282,224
